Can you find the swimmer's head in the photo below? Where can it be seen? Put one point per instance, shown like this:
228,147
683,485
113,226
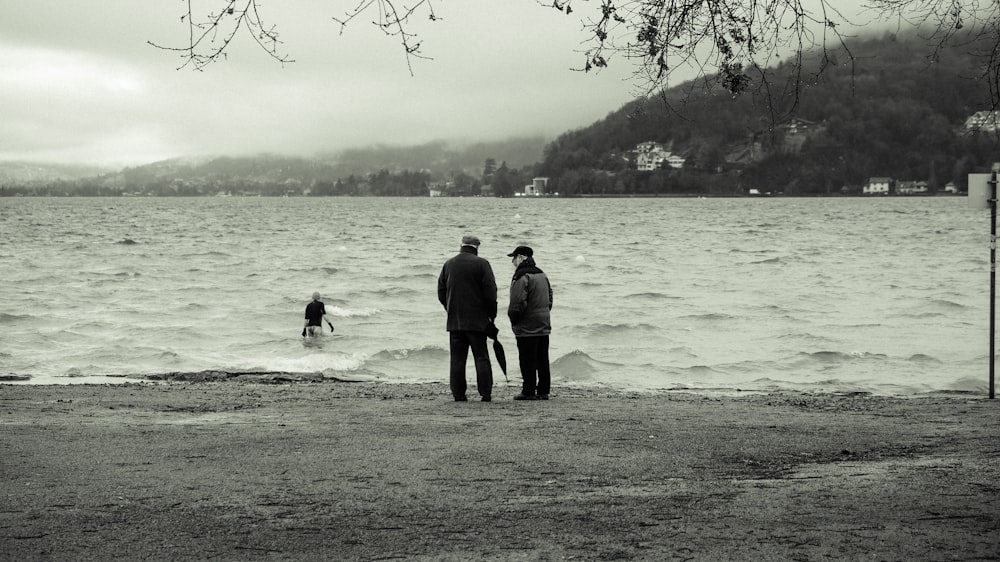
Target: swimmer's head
316,296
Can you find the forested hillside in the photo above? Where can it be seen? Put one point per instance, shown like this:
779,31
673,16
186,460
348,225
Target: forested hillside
891,112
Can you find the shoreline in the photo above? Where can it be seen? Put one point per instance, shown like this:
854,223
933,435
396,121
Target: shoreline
285,470
301,377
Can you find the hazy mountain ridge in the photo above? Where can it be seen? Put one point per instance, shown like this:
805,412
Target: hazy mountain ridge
33,172
439,158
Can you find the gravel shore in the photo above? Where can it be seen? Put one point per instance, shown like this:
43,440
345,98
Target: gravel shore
267,468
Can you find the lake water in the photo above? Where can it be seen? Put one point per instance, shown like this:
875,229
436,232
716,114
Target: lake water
886,295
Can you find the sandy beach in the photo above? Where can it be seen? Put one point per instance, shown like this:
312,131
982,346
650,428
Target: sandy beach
273,468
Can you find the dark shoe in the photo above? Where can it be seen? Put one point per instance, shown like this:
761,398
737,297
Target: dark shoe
525,397
487,398
461,399
543,396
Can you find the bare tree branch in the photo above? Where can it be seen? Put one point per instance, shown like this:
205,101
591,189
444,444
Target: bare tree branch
727,43
209,39
392,21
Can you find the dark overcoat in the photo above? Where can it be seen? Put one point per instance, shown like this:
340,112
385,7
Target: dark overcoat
468,291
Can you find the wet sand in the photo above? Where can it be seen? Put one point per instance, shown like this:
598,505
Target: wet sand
266,468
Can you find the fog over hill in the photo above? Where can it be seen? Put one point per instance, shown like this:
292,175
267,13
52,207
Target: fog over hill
439,158
34,172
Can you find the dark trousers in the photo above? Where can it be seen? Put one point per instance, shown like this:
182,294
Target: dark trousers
533,358
460,343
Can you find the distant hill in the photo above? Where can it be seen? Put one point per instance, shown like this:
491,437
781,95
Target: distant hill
439,158
272,174
35,173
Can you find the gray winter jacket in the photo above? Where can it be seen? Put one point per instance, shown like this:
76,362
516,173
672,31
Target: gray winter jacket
530,301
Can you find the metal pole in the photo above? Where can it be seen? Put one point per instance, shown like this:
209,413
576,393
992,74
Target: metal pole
993,274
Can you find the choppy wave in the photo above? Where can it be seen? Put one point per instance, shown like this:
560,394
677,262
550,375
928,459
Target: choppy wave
709,317
432,352
6,318
653,296
947,304
577,366
340,312
414,275
827,357
804,337
398,292
618,330
209,254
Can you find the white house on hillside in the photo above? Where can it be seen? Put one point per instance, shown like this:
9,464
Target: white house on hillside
877,186
648,161
652,156
988,121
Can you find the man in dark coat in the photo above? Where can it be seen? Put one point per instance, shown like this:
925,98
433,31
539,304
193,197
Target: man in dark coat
530,303
468,291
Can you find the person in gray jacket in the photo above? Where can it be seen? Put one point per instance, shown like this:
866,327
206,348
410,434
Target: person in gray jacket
530,319
468,291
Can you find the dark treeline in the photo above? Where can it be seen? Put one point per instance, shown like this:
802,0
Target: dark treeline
383,183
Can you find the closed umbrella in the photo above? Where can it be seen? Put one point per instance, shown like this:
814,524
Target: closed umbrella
493,332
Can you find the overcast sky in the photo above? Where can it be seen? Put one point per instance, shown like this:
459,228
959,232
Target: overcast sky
79,83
